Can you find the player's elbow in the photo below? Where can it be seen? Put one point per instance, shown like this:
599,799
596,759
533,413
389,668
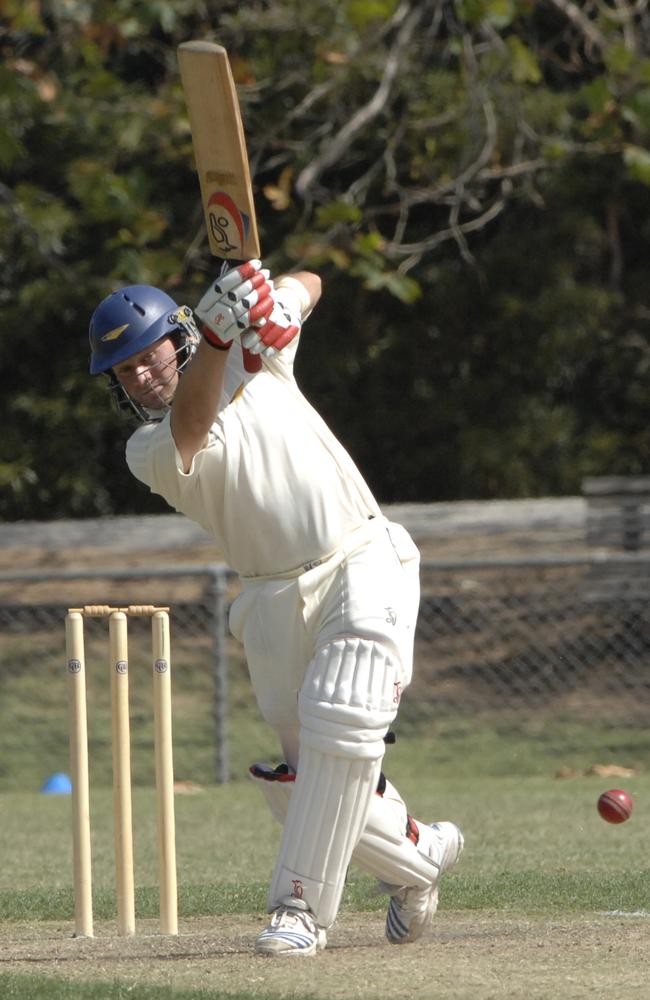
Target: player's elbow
314,286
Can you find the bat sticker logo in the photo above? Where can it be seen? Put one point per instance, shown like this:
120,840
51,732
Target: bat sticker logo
228,226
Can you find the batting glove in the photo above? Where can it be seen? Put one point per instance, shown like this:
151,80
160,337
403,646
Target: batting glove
234,303
271,334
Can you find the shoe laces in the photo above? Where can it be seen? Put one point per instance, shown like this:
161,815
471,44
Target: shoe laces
288,916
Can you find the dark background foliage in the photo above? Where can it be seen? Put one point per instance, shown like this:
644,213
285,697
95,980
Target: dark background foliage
470,178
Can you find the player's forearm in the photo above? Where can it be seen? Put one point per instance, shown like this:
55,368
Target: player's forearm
196,401
312,289
313,284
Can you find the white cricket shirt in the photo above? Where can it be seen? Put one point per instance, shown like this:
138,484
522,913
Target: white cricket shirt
273,487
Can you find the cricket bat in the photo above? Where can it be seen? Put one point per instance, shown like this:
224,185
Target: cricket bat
219,150
221,158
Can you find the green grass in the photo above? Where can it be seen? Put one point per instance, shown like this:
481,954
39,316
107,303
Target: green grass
535,847
535,844
535,744
46,988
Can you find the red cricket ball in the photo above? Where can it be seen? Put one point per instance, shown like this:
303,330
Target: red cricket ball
615,806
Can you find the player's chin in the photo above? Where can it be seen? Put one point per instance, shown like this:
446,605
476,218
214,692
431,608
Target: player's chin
156,398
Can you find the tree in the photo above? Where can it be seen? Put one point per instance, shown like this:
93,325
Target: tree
470,177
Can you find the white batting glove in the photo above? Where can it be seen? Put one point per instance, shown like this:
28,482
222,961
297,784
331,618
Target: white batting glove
270,335
234,302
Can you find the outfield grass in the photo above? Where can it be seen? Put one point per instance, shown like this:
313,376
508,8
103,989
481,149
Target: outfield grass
536,849
44,988
533,843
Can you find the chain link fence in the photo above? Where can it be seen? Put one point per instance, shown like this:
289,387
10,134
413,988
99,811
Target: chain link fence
569,637
566,636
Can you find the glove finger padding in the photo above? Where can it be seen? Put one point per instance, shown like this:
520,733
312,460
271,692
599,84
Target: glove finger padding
225,282
261,311
241,291
281,326
277,337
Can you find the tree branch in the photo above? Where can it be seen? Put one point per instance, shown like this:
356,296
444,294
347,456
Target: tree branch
403,249
333,152
427,195
580,21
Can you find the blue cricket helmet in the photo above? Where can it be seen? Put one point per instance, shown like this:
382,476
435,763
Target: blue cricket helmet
131,319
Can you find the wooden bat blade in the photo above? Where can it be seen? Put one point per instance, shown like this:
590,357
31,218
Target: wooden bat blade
219,150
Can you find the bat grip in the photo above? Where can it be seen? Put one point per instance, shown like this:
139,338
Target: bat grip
252,362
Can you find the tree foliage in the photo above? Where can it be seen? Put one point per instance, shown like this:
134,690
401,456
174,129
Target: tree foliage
470,177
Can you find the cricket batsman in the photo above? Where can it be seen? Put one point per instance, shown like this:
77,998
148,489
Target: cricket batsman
330,588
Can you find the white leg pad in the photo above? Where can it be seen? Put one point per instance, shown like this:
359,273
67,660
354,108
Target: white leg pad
323,824
384,849
345,706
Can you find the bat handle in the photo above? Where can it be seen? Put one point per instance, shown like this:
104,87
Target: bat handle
252,362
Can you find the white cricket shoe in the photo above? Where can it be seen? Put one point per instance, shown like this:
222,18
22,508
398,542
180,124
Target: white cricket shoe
411,910
292,931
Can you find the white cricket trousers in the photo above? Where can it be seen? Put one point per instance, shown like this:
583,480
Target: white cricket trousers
369,589
329,653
